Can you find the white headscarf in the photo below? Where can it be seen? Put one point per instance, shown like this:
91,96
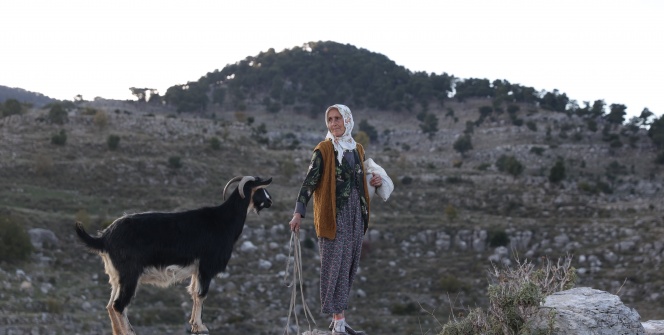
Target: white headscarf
346,141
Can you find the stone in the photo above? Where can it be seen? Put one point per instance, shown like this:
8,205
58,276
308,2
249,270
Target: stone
653,327
264,264
41,238
247,246
587,311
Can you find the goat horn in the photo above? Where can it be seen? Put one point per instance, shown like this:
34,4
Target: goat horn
242,182
229,183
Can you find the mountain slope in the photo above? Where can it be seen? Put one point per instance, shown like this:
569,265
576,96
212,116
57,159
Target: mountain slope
429,245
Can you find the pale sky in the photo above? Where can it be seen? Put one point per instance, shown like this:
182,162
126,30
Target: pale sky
590,50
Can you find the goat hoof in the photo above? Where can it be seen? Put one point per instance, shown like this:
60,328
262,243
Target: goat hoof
198,330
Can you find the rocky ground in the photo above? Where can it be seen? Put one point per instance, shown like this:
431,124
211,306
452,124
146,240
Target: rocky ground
425,256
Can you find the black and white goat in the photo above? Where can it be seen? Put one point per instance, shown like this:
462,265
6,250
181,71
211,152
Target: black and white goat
166,248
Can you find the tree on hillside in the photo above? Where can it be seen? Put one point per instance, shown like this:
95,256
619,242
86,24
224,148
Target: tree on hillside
510,165
597,109
57,114
656,132
616,114
463,144
139,93
315,76
473,88
429,123
557,172
11,107
191,97
485,111
554,101
523,93
369,130
645,116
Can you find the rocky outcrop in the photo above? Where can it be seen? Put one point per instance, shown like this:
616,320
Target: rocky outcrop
586,311
41,238
654,327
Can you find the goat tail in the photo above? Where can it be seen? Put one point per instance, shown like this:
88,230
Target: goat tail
94,243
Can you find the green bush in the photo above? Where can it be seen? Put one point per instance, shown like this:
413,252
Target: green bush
452,284
113,142
15,243
498,238
512,109
59,138
592,125
404,309
463,144
660,158
57,114
174,162
11,107
557,173
215,143
510,165
537,150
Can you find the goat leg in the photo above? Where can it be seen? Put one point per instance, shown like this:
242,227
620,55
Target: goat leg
196,321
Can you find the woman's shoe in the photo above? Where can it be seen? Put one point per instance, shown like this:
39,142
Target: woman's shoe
338,327
349,330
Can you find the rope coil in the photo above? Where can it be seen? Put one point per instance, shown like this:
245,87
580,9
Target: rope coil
294,247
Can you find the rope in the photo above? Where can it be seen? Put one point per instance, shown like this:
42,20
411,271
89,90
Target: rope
297,277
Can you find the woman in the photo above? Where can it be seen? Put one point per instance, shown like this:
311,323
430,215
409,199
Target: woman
336,180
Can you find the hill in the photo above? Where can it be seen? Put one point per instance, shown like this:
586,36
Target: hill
479,180
24,96
449,218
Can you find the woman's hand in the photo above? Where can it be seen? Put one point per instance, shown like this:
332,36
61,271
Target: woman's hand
376,180
295,222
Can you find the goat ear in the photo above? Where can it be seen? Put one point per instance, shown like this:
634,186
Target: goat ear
266,181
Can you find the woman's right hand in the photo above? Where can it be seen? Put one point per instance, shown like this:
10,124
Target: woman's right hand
295,222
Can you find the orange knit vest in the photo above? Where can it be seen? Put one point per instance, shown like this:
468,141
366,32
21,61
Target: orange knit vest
325,194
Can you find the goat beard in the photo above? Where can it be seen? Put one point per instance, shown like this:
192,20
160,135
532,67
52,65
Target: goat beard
255,210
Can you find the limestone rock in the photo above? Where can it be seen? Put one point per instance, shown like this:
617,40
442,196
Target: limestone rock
654,327
586,311
41,238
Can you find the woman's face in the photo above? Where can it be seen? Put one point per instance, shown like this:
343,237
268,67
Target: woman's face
335,123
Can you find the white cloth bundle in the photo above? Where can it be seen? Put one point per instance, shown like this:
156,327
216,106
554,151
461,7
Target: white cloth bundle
384,190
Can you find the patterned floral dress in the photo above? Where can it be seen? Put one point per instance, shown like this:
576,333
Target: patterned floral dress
340,257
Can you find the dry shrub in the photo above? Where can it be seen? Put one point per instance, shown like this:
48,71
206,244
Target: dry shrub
15,243
100,119
515,294
43,166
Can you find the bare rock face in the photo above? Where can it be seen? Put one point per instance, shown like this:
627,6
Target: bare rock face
42,238
654,327
586,311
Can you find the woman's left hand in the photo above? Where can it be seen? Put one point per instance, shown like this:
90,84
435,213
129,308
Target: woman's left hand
376,180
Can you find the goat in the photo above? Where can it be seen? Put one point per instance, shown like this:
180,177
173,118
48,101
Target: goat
165,248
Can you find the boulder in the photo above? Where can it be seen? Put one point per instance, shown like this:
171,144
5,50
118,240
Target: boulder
586,311
654,327
42,238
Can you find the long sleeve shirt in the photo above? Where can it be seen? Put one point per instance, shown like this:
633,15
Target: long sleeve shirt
348,174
